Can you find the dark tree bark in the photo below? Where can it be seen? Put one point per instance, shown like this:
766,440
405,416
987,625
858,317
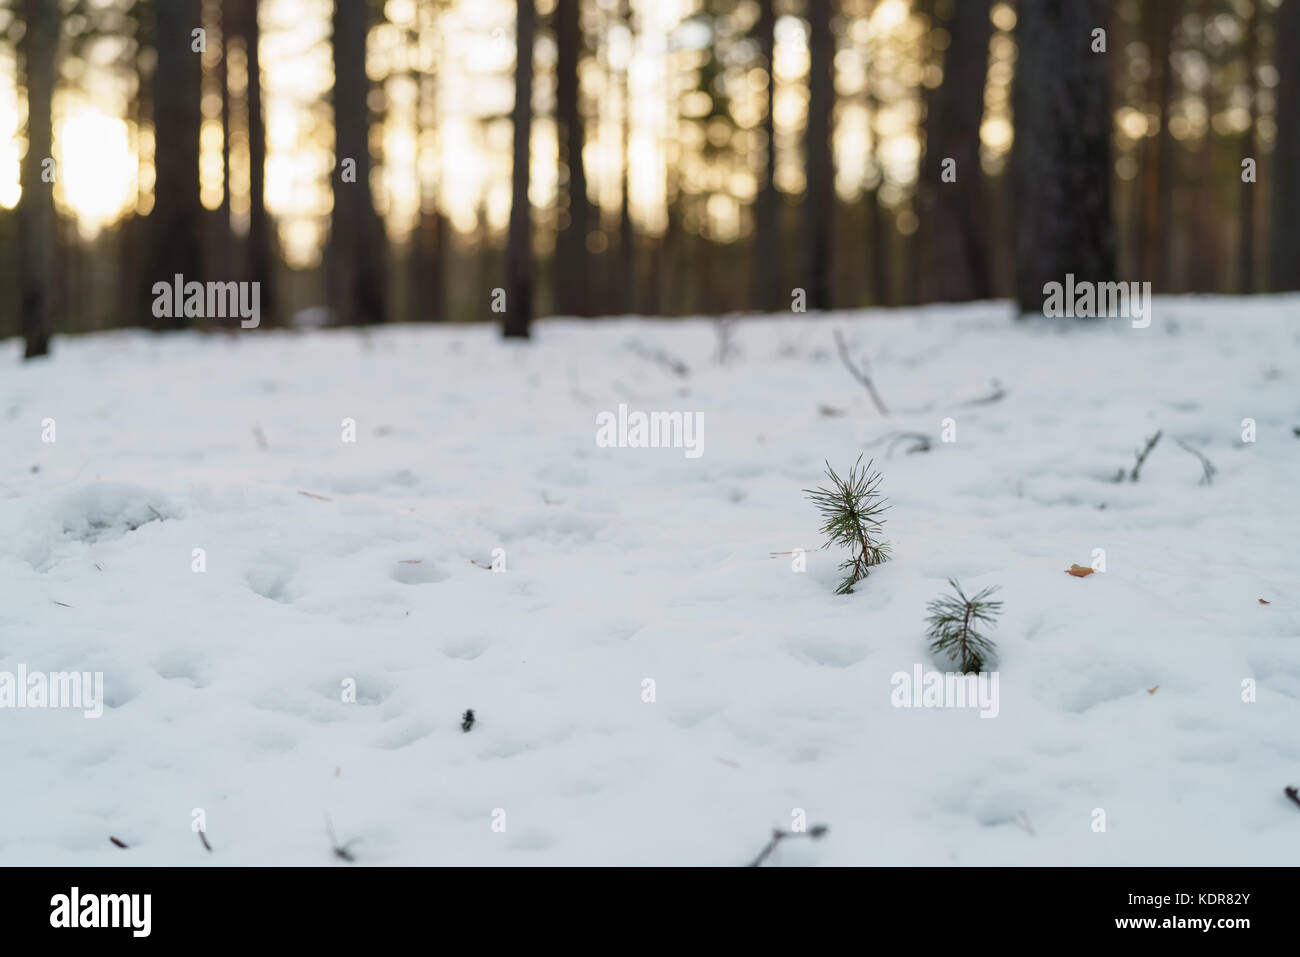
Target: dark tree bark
356,254
626,236
954,241
573,265
37,246
1061,155
767,267
819,192
1246,224
176,222
259,257
1285,254
519,242
878,234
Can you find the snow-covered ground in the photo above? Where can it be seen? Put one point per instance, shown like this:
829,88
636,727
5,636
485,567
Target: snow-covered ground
329,561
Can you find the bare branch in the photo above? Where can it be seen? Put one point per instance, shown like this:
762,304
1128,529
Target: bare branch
859,374
1141,458
1207,467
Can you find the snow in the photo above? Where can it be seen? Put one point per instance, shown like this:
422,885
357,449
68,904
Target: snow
371,560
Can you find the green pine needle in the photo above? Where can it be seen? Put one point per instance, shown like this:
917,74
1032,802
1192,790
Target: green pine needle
954,627
851,518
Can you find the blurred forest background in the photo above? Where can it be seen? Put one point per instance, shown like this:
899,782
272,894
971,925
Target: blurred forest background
677,156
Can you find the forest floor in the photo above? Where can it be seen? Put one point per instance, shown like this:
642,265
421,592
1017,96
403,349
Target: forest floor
1146,714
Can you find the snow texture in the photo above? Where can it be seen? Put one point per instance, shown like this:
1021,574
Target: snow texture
371,560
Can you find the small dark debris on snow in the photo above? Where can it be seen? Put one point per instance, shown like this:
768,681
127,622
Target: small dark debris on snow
467,719
815,832
204,838
1294,795
117,842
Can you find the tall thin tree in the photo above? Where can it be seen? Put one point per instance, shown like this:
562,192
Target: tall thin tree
37,251
177,219
243,16
1061,154
1246,223
954,239
767,270
819,170
1285,241
573,268
356,254
519,241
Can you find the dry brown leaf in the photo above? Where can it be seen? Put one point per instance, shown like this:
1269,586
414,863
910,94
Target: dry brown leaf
1152,690
1079,571
1263,602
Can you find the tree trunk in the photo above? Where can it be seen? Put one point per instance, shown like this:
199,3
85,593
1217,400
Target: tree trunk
1285,258
176,223
573,266
37,246
1246,223
1061,155
519,242
258,263
954,242
356,249
819,192
767,227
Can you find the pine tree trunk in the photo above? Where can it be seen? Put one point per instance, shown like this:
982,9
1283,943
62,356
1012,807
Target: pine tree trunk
819,193
519,242
37,238
767,227
176,223
953,239
573,267
1285,254
356,254
1062,150
258,262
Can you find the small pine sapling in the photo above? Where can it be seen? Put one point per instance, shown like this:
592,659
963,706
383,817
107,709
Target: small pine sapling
851,517
954,627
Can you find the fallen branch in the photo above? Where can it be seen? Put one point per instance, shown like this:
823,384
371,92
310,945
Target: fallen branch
1141,458
815,832
1207,467
859,374
893,438
342,851
996,396
671,363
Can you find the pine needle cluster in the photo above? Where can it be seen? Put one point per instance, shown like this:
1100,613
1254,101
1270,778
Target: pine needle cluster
851,512
954,627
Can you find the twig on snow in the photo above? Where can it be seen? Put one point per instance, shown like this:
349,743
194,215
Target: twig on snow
1141,458
671,363
815,832
1294,795
997,395
342,851
1207,467
859,374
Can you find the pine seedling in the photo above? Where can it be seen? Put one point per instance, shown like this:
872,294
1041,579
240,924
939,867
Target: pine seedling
954,625
851,517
